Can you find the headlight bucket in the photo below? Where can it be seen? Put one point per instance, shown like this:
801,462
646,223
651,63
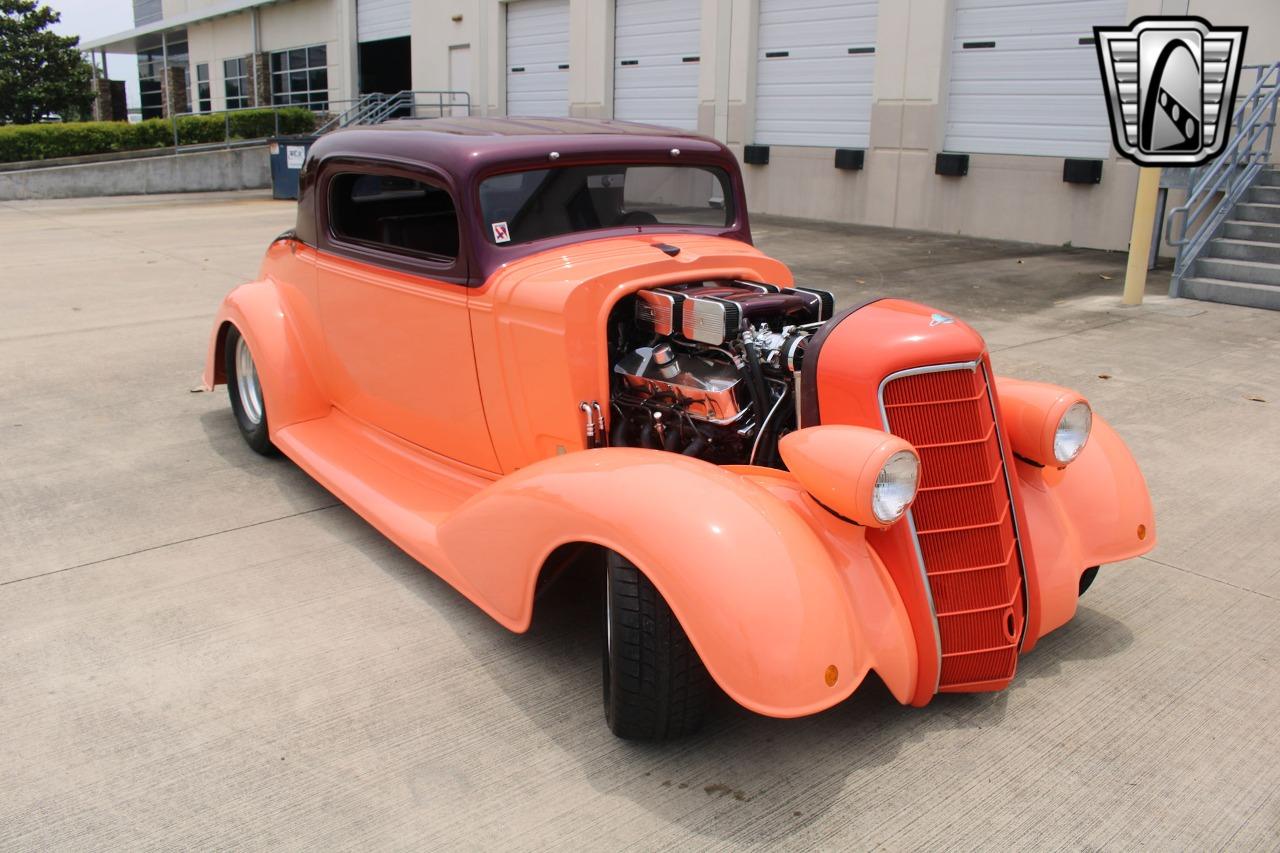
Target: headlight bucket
865,475
1047,424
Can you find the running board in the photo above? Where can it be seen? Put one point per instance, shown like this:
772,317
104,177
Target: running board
399,489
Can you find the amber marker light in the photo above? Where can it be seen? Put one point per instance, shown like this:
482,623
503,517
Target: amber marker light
831,675
1142,532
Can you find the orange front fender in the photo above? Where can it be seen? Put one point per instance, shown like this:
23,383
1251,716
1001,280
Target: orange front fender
259,311
1095,510
770,597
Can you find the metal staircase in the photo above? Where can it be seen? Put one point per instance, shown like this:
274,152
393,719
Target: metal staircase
377,107
1228,229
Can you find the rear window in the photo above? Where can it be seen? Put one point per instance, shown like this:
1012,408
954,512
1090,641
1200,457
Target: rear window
523,206
394,213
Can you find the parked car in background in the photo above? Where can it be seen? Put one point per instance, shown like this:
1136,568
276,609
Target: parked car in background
507,341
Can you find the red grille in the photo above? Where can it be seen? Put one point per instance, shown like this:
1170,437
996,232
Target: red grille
964,522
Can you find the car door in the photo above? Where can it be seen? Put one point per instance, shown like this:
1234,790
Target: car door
392,288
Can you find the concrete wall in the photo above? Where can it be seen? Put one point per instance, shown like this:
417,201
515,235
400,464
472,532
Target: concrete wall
435,31
1005,196
206,171
1262,17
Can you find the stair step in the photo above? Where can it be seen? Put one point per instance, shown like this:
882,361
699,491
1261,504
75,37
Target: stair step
1232,292
1240,229
1257,212
1269,178
1264,193
1253,272
1243,250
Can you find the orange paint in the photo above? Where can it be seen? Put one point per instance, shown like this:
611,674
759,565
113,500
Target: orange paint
838,466
1031,412
447,414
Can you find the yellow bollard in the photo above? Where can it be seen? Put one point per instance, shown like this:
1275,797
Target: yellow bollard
1144,218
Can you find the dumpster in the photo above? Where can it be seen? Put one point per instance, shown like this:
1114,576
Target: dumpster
287,156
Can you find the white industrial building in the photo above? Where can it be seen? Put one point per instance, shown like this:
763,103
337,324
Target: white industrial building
849,101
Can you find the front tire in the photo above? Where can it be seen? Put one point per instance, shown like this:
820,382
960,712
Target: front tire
655,685
245,391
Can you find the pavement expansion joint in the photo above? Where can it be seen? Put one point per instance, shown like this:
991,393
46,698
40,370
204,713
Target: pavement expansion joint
162,545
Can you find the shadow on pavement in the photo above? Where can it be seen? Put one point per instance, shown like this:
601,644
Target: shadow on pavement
744,778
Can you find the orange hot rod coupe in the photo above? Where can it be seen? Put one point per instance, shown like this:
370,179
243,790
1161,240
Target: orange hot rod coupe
498,340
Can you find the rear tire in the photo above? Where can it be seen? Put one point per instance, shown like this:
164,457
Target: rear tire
1087,577
245,391
655,685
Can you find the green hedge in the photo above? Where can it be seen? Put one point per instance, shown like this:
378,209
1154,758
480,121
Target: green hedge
74,139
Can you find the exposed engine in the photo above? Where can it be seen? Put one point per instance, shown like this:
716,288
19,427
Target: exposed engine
711,368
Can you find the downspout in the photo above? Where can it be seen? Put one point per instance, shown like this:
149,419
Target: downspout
257,54
723,69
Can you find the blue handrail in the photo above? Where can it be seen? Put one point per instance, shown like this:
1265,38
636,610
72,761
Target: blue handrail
1214,189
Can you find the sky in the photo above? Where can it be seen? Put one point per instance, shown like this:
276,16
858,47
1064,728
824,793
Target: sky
90,19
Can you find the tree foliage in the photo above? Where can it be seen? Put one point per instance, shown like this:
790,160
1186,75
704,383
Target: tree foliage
41,72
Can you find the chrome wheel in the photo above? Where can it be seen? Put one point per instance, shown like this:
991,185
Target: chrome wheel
247,383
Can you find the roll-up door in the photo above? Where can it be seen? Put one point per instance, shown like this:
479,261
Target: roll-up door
383,19
656,62
1024,77
538,58
814,71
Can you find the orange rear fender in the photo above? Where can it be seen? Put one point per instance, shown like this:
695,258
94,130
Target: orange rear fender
760,591
289,387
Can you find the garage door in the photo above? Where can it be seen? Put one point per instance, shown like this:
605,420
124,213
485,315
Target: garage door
538,58
383,19
1024,77
656,62
814,70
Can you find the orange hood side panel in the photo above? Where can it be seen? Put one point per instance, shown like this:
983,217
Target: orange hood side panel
539,329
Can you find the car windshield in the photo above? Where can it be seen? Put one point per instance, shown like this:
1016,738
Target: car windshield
523,206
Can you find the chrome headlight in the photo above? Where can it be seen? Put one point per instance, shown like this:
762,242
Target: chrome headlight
895,486
1072,432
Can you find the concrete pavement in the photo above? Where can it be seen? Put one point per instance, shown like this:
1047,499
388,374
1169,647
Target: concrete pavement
201,648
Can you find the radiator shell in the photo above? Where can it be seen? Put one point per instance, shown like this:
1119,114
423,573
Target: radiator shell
847,365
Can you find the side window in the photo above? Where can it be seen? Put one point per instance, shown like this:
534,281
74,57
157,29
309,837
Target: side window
393,213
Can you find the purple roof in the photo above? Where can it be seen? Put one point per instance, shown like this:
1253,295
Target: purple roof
461,151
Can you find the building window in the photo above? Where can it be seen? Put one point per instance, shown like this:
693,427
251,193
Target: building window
204,96
152,52
394,214
300,77
235,74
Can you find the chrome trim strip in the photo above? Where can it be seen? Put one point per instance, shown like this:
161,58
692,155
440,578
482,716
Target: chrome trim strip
1013,514
911,521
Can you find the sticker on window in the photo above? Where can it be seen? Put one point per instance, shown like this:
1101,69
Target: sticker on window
501,234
